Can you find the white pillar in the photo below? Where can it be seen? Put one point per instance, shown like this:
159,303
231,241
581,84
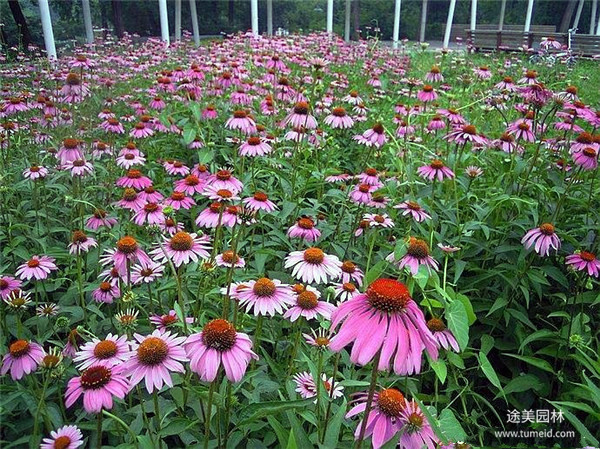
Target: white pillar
254,16
47,29
194,15
347,20
593,16
473,15
177,20
396,23
87,21
502,14
578,14
449,23
598,29
528,16
164,21
270,17
423,21
330,16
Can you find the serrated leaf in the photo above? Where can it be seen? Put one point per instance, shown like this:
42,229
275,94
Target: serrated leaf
458,322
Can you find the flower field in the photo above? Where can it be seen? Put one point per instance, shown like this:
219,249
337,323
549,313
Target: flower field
295,243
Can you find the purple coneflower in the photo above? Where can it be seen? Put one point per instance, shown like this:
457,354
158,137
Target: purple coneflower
7,285
98,384
38,268
162,322
265,296
413,209
106,292
339,119
99,218
259,201
23,357
442,334
81,243
127,249
183,248
35,172
436,169
543,238
66,437
111,351
313,265
417,254
304,229
307,304
584,261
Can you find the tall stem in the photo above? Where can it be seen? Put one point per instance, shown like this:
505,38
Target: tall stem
99,431
363,426
211,392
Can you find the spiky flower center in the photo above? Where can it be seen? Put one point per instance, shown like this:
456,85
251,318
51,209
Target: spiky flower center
229,257
105,287
127,245
412,205
62,442
152,351
19,348
215,208
219,334
436,325
427,88
150,207
364,188
95,377
168,319
129,194
261,196
418,248
33,263
307,300
73,79
306,223
181,241
378,128
191,180
348,267
589,152
388,295
224,193
379,219
301,108
105,349
314,256
587,256
321,341
70,144
524,126
547,229
436,164
240,114
223,175
254,141
339,112
391,402
178,196
264,287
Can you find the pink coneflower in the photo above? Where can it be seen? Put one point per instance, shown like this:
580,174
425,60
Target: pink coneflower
112,125
537,94
370,177
35,172
127,249
183,248
106,292
482,72
452,115
210,112
550,42
507,84
584,260
304,229
586,158
38,268
221,195
190,185
583,140
307,387
241,121
530,77
464,134
23,357
134,179
442,334
162,322
223,179
307,304
201,171
338,178
417,254
436,123
78,167
18,299
413,209
15,105
448,248
362,193
81,243
131,200
100,218
111,351
383,420
7,285
255,146
373,137
178,200
543,237
313,265
219,343
350,273
212,216
434,75
416,430
152,359
384,318
339,119
265,296
141,130
379,220
521,129
66,437
130,159
319,339
436,169
300,117
151,213
98,384
259,201
157,103
230,259
176,168
427,94
344,292
146,273
507,143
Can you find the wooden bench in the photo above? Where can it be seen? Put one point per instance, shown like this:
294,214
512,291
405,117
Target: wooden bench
461,30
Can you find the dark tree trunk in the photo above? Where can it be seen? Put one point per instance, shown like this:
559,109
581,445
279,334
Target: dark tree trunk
21,22
565,23
118,18
103,20
356,19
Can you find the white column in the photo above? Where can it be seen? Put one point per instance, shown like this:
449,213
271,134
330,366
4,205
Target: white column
593,16
177,20
502,14
194,15
598,29
528,16
473,15
423,21
47,29
254,16
578,14
270,17
347,20
449,23
330,16
396,23
87,21
164,21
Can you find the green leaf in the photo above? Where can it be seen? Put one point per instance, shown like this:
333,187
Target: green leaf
440,368
189,134
586,435
458,322
542,334
292,441
451,426
522,383
262,409
487,343
282,434
334,426
375,272
489,371
535,361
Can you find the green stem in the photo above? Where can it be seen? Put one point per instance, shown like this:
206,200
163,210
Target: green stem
211,392
99,432
363,426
